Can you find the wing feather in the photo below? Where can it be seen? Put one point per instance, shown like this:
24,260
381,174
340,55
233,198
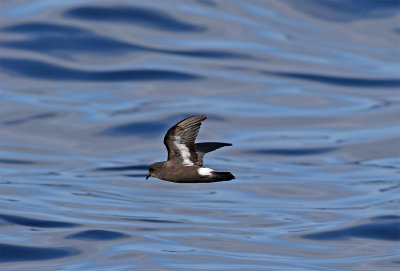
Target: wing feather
180,139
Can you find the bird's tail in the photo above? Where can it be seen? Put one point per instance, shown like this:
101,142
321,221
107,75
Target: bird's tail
222,176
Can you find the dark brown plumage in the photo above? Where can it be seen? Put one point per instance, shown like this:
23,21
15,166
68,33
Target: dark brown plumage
185,157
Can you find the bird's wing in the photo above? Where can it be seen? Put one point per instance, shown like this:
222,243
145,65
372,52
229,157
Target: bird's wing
204,147
180,138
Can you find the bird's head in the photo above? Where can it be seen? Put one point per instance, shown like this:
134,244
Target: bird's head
155,169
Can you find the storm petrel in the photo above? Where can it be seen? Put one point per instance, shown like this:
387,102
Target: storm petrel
185,158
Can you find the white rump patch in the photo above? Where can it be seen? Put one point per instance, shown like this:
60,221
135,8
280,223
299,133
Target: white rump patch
205,171
184,151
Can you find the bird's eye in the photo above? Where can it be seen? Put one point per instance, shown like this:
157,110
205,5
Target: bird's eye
151,169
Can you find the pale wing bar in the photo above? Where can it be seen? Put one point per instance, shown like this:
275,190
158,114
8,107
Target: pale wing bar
180,139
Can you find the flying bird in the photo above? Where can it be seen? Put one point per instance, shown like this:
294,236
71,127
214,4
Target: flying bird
185,158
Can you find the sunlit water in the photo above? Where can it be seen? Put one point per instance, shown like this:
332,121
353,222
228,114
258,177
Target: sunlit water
307,92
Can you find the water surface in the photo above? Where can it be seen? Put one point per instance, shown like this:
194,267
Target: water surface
306,92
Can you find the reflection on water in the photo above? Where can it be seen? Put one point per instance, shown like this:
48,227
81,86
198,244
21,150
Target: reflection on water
307,92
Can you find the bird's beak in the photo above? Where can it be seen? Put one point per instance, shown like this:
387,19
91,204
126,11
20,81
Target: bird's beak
148,175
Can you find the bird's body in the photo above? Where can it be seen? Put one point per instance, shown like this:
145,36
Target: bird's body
185,158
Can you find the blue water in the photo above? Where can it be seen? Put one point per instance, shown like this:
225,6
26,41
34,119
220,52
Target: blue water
306,91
